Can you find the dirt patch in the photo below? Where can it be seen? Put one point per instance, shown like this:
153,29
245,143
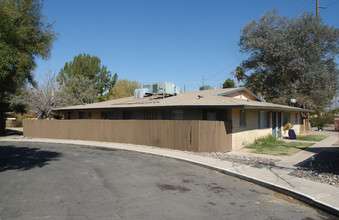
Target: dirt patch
286,198
216,188
165,187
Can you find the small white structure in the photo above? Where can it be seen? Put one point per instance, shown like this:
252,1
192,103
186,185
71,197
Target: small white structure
140,93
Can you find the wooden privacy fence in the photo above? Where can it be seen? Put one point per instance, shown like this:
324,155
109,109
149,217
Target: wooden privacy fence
198,136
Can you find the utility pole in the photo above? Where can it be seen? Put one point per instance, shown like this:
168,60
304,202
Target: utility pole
202,80
317,9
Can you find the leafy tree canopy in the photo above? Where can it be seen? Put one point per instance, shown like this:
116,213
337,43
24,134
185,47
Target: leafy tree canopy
229,83
291,58
24,36
239,74
79,90
91,68
123,88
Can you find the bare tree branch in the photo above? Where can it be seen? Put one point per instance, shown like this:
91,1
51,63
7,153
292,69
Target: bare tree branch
43,98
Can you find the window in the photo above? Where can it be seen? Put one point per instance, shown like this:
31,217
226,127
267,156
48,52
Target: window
150,114
177,114
209,115
85,115
242,118
264,119
166,114
81,115
69,115
127,114
286,118
296,118
107,115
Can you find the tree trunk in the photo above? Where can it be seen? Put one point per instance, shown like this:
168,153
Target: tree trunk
2,123
4,107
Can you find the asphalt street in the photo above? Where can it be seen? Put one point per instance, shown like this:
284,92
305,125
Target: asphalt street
58,181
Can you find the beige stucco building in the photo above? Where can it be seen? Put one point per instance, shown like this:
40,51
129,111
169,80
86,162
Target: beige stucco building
248,115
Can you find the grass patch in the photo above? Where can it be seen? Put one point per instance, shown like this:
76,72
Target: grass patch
312,137
269,145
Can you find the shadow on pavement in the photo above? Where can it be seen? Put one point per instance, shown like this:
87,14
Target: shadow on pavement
10,132
24,158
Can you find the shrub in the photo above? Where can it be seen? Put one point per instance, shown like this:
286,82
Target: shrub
334,111
263,140
321,120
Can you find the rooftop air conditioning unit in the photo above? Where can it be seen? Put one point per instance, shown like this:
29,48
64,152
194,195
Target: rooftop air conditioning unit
206,87
149,88
163,88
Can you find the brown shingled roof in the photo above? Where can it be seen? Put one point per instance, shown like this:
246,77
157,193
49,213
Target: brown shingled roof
208,98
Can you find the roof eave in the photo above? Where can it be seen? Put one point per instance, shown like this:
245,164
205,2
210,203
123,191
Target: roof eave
194,106
241,89
279,108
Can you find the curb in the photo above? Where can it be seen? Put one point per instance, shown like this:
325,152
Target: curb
292,193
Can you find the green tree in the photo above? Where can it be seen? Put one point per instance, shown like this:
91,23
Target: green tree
239,74
91,68
229,83
123,88
24,36
291,58
79,90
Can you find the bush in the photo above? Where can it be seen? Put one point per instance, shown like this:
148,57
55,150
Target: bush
264,140
320,121
334,111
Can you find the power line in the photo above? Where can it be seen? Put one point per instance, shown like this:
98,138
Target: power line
309,3
214,75
332,3
298,7
329,5
325,7
301,8
224,69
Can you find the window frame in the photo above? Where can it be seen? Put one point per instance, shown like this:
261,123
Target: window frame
81,115
296,120
286,115
264,119
178,114
242,118
84,115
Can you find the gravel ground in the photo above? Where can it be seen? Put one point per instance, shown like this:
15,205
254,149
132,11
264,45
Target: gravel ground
324,168
258,162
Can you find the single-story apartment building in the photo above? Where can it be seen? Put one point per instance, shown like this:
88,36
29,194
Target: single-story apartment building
239,115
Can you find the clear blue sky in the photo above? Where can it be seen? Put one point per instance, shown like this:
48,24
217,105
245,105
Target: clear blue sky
163,40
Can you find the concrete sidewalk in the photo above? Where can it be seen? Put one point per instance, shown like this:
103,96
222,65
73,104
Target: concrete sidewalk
303,155
320,195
